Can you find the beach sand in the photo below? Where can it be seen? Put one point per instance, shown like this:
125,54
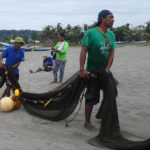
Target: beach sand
22,131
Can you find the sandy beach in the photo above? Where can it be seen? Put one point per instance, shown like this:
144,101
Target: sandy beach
22,131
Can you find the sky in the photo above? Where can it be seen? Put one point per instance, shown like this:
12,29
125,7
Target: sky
36,14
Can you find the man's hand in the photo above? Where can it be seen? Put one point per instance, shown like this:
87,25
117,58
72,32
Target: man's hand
107,70
83,74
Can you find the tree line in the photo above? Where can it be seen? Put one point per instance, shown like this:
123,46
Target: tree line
74,34
7,35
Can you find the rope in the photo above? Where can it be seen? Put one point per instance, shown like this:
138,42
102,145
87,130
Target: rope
81,99
58,95
104,35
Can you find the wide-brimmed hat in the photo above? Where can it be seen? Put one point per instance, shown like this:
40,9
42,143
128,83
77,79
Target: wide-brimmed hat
19,40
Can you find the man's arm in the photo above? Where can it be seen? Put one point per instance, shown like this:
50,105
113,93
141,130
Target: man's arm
83,57
16,65
21,59
1,59
110,60
83,73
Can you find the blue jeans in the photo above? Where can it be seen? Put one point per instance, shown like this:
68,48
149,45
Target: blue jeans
59,64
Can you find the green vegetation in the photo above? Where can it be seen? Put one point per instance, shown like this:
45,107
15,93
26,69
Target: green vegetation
74,34
6,35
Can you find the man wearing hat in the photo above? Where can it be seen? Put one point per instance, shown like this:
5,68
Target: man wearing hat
14,56
100,45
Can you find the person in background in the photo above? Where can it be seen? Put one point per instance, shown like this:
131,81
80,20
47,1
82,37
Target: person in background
47,65
60,49
14,56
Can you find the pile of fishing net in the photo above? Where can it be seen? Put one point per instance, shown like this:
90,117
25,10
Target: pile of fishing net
56,104
60,102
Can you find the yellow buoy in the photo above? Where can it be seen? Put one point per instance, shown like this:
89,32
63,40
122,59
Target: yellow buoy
17,93
6,104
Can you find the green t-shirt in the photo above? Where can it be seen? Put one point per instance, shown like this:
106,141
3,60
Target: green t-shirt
98,48
62,54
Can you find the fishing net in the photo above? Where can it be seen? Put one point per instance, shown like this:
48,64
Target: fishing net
2,77
56,104
60,102
109,134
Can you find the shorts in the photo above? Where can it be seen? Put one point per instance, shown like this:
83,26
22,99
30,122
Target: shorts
8,82
47,68
92,94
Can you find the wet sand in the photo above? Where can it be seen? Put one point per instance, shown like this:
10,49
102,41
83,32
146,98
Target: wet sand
22,131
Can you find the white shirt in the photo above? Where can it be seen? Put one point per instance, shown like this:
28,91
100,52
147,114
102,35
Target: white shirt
61,46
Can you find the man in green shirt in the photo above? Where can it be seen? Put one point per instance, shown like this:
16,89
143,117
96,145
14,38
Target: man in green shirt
100,45
61,49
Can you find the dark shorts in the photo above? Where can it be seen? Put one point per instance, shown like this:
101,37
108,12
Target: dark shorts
47,68
8,82
92,94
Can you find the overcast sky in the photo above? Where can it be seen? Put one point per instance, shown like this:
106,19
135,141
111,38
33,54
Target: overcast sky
36,14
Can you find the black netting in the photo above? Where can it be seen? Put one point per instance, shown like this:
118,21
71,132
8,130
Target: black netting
109,134
66,97
2,77
64,100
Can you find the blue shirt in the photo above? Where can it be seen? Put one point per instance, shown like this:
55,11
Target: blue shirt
48,60
13,56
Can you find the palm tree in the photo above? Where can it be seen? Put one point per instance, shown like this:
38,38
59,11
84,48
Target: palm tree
77,34
59,28
148,28
48,33
85,27
123,33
